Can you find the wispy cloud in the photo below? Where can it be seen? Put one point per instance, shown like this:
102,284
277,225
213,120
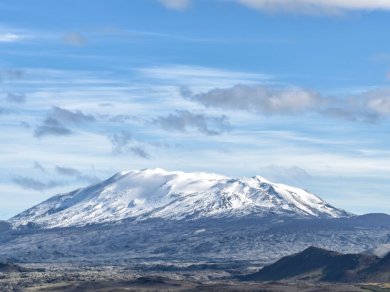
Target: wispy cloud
58,120
72,172
139,151
205,76
136,35
178,5
332,7
74,38
316,6
10,37
15,97
70,117
39,166
11,74
120,141
51,127
123,142
351,114
292,174
3,111
34,184
25,125
182,121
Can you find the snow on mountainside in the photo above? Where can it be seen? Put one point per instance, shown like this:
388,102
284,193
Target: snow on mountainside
156,193
380,251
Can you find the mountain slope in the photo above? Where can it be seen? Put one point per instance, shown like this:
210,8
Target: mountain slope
156,193
379,271
380,251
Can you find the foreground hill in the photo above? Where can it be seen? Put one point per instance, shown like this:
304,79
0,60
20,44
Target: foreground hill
156,193
379,271
317,264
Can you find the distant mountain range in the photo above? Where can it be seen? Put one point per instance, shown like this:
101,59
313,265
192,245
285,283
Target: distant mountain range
156,193
316,264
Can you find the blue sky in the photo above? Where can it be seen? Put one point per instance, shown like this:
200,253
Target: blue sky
295,91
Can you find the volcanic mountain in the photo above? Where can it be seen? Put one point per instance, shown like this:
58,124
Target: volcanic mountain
156,193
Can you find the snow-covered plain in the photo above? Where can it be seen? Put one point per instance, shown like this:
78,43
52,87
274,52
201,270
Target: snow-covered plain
156,193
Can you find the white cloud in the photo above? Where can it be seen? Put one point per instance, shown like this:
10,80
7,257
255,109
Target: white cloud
297,6
380,104
316,6
182,120
9,37
179,5
174,71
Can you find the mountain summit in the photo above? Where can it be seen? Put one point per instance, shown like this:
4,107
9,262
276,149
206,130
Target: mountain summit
156,193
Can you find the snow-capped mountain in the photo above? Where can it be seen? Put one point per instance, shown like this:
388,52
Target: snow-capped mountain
156,193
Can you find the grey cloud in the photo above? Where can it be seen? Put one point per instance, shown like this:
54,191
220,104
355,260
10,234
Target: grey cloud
119,141
120,118
58,120
123,142
16,98
11,74
351,114
261,99
25,125
70,117
38,166
368,107
185,92
34,184
75,38
3,111
138,151
106,104
72,172
117,118
182,121
67,171
51,127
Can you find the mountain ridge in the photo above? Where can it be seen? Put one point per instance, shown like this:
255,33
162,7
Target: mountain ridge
317,264
157,193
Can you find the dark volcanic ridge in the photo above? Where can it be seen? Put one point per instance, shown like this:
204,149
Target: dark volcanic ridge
321,265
